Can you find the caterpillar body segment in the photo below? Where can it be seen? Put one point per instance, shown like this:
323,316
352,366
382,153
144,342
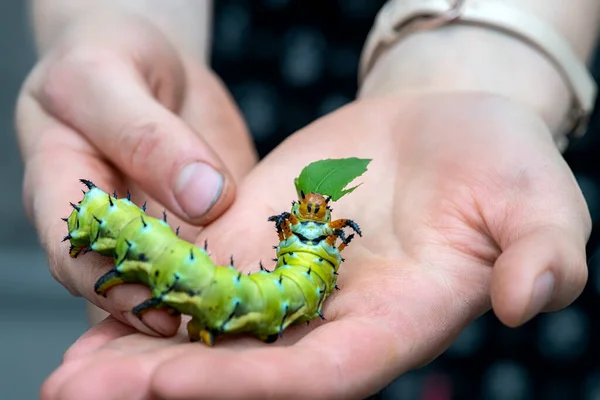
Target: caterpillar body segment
220,299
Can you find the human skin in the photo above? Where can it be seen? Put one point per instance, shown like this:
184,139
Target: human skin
446,234
462,212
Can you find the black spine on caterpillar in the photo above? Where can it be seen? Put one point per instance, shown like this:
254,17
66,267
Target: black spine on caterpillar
220,299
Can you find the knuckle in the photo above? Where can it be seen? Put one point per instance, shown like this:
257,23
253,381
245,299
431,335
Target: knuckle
69,355
91,56
141,145
581,276
55,256
573,277
57,271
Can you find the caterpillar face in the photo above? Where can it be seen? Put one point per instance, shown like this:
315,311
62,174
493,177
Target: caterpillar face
312,207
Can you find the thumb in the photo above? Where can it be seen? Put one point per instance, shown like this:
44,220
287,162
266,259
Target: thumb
542,270
106,100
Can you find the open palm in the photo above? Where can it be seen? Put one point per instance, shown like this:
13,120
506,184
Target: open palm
458,213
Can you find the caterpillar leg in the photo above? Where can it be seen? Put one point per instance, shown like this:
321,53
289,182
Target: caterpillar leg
282,223
194,328
345,240
107,281
197,332
338,233
75,251
278,219
342,223
271,338
103,246
153,303
128,271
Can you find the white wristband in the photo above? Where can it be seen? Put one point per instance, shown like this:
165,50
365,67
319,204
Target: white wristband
399,18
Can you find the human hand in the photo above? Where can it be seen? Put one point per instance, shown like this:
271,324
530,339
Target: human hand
466,202
114,100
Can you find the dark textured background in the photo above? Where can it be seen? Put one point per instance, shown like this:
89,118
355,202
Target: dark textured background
298,65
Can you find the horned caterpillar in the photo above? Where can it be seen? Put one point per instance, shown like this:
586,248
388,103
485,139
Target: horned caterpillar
220,299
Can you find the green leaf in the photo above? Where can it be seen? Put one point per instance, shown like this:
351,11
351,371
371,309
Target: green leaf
330,177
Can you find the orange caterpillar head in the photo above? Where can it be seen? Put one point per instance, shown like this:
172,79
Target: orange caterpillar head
312,207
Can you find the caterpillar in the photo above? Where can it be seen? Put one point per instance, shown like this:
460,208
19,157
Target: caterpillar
220,299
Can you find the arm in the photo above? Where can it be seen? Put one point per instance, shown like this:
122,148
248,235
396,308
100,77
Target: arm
185,22
462,58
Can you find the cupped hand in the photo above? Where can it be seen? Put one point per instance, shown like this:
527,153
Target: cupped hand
466,205
115,102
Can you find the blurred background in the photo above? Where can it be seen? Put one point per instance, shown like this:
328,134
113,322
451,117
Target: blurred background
299,65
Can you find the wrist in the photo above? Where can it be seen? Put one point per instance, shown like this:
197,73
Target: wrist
469,59
186,23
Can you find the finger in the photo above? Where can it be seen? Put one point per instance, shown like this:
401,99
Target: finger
543,270
51,386
97,336
109,101
543,265
111,373
120,370
51,182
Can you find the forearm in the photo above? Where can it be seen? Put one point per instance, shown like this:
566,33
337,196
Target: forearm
185,22
466,58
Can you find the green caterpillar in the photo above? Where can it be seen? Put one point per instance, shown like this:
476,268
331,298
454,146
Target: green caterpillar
221,300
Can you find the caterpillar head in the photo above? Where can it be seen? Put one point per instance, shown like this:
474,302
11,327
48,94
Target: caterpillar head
312,207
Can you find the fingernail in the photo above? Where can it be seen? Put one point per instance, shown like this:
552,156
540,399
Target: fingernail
197,189
543,287
139,324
